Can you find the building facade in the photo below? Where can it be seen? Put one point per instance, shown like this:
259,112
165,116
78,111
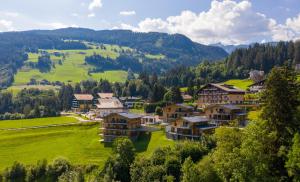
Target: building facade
257,87
189,128
131,102
117,125
223,114
175,111
219,94
82,102
151,120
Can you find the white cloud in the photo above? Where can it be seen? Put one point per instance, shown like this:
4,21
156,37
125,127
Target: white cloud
6,25
95,4
91,15
11,14
228,22
75,14
55,25
127,13
288,31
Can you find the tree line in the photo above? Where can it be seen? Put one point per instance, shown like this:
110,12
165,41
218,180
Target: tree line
29,103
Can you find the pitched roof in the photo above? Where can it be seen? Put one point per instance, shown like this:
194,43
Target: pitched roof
110,103
129,115
225,87
105,95
84,97
196,119
185,106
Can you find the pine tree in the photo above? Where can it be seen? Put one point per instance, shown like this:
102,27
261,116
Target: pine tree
280,102
77,89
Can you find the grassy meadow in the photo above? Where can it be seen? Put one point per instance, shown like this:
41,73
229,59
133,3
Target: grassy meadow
242,84
78,143
24,123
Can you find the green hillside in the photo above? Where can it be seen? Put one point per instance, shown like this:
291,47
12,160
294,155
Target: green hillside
72,67
69,65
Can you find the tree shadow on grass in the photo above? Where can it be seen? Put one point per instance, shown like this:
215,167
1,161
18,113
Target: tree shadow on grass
141,144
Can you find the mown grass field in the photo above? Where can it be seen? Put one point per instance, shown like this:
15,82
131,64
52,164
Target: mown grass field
24,123
72,68
242,84
78,143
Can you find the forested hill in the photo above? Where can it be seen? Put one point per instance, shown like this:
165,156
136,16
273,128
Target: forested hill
237,65
173,46
172,49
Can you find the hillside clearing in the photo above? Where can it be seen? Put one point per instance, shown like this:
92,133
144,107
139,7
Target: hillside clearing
71,67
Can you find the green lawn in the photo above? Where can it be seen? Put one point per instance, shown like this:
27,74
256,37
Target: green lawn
73,68
36,122
158,139
137,111
78,143
242,84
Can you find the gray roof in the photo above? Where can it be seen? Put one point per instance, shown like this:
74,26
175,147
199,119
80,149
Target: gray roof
231,107
225,87
185,106
129,115
196,119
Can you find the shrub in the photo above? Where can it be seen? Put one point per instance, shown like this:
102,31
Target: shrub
16,173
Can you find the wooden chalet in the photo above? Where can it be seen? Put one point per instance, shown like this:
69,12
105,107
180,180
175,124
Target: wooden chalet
219,94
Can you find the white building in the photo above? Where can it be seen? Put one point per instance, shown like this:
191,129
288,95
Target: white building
151,119
108,104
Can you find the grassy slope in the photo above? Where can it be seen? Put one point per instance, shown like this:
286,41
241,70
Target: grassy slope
72,68
36,122
242,84
80,144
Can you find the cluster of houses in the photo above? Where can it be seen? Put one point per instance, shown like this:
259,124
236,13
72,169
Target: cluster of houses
217,104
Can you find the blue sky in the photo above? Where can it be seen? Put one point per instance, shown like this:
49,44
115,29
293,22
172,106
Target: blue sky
204,21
